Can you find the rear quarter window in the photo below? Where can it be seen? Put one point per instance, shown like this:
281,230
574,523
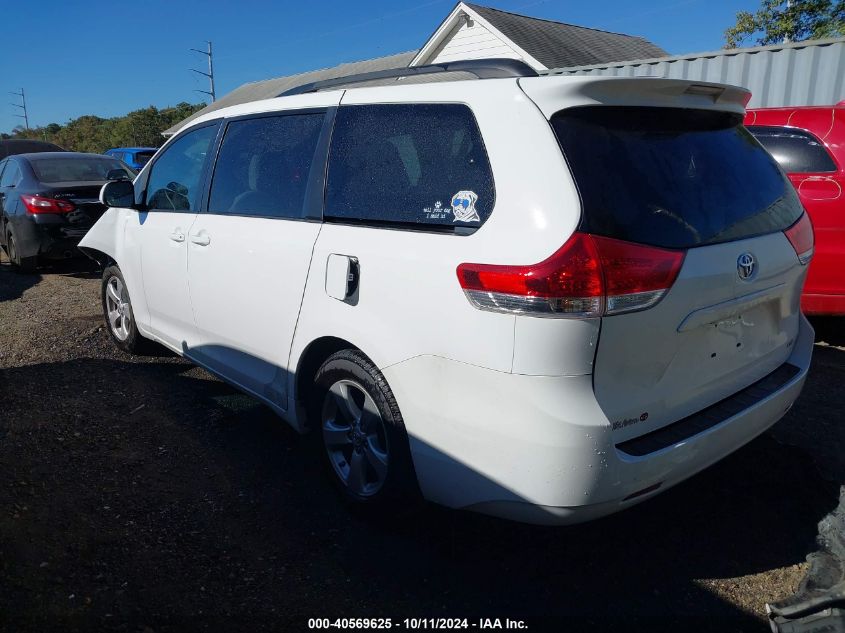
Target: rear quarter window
11,174
671,177
797,151
411,165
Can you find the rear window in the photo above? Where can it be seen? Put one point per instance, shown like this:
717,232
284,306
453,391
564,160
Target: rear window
142,158
797,151
673,178
75,169
413,165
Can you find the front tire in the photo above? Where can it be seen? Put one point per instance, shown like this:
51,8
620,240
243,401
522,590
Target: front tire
117,310
363,435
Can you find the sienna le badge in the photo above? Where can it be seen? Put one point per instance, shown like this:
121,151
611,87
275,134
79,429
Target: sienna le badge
463,207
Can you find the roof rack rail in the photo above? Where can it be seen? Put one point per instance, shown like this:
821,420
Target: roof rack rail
495,68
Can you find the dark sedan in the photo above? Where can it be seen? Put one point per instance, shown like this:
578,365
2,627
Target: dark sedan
49,200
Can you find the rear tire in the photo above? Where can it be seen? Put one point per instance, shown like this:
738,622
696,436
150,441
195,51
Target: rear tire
363,436
20,264
117,310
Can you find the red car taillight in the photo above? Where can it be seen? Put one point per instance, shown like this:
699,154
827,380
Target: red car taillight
36,205
589,276
801,236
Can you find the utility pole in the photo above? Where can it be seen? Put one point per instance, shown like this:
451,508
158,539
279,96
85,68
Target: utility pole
210,73
22,106
786,38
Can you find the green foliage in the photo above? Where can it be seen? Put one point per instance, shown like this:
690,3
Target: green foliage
780,20
141,128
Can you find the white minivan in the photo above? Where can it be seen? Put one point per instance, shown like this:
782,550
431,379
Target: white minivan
542,298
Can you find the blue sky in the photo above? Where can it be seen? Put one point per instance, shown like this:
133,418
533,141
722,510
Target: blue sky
108,58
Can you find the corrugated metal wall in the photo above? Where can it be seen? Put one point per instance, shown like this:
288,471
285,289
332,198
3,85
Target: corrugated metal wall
805,73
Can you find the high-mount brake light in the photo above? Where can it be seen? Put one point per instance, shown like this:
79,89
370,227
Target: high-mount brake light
801,236
589,276
37,205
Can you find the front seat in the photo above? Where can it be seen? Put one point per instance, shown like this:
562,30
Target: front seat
264,198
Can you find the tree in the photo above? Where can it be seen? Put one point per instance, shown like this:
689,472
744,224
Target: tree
779,21
93,134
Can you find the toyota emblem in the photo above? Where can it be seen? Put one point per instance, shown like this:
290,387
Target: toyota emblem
746,266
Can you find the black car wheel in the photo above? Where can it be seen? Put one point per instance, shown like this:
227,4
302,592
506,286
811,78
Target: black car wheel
363,436
22,264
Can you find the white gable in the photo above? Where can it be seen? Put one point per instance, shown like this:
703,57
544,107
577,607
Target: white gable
466,35
471,40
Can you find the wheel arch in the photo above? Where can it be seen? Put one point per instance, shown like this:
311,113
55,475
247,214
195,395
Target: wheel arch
310,360
104,241
104,260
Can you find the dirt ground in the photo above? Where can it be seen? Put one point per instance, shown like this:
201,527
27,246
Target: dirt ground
142,494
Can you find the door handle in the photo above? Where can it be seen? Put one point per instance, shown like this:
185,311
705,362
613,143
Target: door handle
201,240
177,236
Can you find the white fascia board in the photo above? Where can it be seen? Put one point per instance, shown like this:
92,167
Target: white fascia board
438,36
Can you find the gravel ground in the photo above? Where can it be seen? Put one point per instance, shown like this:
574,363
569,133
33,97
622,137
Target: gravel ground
142,494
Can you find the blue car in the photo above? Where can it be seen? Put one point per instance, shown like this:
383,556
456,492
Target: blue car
135,157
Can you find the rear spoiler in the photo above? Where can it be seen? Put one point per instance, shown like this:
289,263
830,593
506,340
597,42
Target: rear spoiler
552,94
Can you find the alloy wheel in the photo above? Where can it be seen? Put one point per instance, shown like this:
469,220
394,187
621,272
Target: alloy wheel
118,309
355,438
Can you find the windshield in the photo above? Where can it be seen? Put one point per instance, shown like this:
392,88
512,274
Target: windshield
76,169
671,177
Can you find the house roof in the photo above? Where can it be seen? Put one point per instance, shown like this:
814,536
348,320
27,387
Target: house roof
558,45
270,88
552,44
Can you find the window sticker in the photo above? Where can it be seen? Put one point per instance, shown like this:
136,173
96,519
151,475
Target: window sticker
463,207
437,212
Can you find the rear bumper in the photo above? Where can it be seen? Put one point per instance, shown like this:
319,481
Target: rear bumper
48,240
540,449
63,248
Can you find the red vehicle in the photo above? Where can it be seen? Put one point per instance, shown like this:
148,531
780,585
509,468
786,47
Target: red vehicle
809,143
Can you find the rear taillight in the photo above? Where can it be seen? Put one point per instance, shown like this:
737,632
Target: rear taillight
800,235
36,205
589,276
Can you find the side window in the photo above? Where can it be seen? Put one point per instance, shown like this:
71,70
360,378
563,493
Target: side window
11,175
797,151
420,164
175,179
263,166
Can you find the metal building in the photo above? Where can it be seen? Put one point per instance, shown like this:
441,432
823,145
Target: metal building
803,73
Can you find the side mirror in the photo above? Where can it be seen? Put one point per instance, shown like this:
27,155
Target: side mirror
118,193
117,174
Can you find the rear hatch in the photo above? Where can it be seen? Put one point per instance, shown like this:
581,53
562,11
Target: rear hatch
692,182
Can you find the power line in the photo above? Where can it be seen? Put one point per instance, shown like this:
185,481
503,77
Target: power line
22,106
210,73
